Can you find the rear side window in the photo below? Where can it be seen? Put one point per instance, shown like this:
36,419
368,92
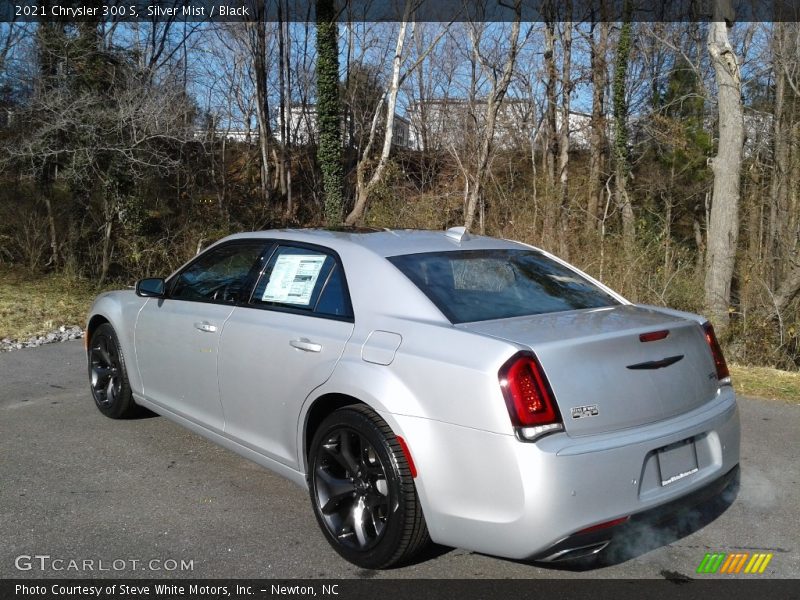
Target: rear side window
303,279
479,285
333,299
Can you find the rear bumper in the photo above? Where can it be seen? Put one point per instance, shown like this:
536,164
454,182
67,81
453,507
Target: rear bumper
587,543
494,494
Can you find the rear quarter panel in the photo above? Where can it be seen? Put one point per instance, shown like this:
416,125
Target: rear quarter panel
438,373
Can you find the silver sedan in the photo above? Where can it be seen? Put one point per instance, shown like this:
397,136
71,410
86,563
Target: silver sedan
476,392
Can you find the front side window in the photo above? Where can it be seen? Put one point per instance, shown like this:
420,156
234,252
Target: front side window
479,285
222,274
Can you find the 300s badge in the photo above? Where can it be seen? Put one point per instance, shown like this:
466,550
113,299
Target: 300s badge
578,412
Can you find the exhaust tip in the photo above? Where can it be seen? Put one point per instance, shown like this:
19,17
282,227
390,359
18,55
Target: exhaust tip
575,553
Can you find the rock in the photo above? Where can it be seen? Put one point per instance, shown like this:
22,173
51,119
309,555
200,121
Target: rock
61,334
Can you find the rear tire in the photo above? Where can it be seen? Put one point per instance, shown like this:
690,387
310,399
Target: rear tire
108,375
362,492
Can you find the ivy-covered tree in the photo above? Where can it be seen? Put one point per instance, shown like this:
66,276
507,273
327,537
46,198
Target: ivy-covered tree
329,112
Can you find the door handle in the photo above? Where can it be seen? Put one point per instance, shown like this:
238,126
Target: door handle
305,345
205,326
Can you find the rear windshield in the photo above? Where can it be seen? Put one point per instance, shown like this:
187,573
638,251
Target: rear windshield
479,285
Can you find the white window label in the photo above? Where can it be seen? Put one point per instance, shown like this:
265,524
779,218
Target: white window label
293,278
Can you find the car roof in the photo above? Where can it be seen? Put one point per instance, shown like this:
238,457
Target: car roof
387,242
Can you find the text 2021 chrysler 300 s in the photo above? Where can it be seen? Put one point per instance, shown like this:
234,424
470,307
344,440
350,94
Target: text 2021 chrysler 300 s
426,385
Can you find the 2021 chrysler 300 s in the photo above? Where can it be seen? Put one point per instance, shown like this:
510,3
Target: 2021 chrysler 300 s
426,385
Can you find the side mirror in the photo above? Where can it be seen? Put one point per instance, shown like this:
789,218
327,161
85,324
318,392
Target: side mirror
152,287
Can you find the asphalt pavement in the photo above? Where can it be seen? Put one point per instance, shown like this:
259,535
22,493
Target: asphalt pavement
146,498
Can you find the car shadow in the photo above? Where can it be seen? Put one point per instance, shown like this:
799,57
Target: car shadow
430,552
142,413
657,528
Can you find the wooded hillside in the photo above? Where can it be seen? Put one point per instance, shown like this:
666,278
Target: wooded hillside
662,158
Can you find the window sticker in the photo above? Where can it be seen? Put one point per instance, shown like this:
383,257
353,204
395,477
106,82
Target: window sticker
293,278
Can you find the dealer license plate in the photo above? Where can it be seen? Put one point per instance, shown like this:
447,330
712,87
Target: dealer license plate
677,461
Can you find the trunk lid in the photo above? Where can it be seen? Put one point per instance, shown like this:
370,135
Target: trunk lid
603,376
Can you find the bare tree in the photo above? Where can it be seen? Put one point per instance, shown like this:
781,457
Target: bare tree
783,53
784,221
284,100
94,128
563,138
364,185
499,87
723,226
549,139
598,137
620,101
257,30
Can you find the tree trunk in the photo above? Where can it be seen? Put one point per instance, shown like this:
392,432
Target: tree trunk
700,242
723,226
282,101
108,227
51,229
621,168
422,98
597,139
563,141
222,195
259,41
779,184
287,141
550,139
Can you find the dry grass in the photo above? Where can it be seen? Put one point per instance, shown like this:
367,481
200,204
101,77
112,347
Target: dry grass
35,304
763,382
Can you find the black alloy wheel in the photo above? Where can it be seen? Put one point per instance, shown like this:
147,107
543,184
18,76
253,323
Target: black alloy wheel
362,491
108,377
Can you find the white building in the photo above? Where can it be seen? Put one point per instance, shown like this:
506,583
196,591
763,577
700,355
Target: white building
302,124
441,124
446,123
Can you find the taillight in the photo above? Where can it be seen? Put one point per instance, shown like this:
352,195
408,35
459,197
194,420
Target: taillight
723,375
528,396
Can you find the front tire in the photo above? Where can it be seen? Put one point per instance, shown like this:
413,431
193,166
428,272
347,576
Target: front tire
108,376
362,491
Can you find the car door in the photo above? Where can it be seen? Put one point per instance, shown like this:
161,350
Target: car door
177,337
280,347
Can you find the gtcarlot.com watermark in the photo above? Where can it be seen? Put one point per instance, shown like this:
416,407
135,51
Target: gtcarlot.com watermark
46,563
